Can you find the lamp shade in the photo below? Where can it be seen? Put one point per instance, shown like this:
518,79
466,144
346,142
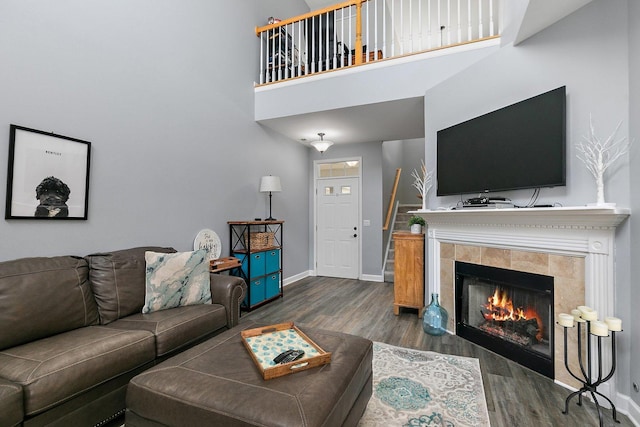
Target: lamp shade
270,184
321,145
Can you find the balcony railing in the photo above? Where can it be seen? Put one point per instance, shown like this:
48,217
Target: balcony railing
358,32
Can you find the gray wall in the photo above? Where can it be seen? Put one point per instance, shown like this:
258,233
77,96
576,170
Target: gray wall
371,188
164,91
634,131
405,154
594,67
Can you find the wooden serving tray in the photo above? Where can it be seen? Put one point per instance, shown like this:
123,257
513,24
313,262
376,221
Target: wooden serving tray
267,342
223,264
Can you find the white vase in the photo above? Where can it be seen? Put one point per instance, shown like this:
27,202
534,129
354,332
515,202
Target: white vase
416,228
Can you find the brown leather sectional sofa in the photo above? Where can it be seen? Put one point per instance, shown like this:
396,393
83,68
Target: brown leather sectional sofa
72,334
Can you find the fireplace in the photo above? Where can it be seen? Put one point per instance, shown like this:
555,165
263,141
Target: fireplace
508,312
574,245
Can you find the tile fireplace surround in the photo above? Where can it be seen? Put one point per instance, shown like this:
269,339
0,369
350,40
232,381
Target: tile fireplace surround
575,245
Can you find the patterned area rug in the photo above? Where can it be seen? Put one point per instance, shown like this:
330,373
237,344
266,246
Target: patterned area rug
423,388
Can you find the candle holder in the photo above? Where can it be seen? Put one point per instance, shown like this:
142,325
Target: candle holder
589,383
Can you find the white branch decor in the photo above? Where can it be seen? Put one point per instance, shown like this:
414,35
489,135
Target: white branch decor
598,156
422,183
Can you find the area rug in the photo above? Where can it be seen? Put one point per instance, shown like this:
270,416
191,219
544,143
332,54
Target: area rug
423,388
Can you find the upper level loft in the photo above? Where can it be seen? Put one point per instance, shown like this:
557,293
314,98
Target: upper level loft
360,32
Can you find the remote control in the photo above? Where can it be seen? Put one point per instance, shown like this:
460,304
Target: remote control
288,356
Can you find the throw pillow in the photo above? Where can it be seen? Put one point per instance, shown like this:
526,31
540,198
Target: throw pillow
175,280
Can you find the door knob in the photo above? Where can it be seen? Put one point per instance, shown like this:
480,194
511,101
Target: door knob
355,235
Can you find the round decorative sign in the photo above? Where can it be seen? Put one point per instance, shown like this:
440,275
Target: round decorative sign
208,239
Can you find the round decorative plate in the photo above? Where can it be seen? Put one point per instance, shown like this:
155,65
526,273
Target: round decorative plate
208,239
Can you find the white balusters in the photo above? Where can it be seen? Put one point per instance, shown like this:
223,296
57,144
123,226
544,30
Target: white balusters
448,22
470,25
459,24
375,30
480,23
328,40
491,23
430,27
262,66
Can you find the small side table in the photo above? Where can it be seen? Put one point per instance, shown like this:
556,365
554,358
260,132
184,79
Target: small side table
224,264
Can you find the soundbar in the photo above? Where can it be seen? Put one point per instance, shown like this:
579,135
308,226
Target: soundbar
486,200
500,205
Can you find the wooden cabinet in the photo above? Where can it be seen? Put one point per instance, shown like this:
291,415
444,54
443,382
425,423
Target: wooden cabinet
258,247
408,287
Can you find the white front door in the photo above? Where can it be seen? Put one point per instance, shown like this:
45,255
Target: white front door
338,231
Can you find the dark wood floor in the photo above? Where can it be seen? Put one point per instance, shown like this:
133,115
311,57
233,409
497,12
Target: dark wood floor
516,396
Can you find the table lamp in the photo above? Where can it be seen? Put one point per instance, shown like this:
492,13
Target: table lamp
270,184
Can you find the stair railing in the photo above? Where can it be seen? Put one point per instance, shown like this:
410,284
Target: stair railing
357,32
392,198
389,240
392,209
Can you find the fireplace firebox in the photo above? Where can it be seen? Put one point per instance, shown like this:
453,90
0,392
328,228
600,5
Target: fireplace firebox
508,312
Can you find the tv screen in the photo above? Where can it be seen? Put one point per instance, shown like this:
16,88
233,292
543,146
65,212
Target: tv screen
518,146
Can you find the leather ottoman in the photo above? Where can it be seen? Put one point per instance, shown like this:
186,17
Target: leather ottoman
217,383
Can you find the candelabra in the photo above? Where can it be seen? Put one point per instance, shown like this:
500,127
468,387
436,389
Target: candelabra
588,317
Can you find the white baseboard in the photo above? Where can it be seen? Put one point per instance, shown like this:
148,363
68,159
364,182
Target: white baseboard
295,278
372,277
626,405
312,273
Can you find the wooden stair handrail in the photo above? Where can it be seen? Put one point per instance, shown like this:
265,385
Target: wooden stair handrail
392,200
334,8
302,17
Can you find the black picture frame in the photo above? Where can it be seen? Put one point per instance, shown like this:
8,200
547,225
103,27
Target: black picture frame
48,176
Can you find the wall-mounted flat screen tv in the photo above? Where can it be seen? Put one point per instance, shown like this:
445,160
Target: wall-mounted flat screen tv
516,147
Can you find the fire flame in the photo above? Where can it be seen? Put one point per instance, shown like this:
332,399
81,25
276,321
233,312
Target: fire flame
500,308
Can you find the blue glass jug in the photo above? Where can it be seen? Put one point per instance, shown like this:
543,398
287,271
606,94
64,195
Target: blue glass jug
434,321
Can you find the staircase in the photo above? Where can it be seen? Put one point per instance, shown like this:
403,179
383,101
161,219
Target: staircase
400,224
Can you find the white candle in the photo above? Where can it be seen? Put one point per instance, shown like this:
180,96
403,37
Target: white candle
584,309
599,328
613,323
588,313
565,320
576,314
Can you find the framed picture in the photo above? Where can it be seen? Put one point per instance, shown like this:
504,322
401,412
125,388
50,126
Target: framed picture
48,176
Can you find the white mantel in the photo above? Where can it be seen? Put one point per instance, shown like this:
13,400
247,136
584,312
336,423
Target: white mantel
585,231
557,217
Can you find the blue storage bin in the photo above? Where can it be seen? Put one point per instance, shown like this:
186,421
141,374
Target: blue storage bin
272,261
256,291
243,262
257,263
272,287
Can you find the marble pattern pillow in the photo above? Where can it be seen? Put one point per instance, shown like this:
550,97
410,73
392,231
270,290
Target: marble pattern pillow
176,279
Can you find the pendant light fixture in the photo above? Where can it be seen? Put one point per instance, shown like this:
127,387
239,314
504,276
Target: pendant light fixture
321,145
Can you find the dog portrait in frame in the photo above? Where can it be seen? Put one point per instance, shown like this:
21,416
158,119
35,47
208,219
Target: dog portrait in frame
48,175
